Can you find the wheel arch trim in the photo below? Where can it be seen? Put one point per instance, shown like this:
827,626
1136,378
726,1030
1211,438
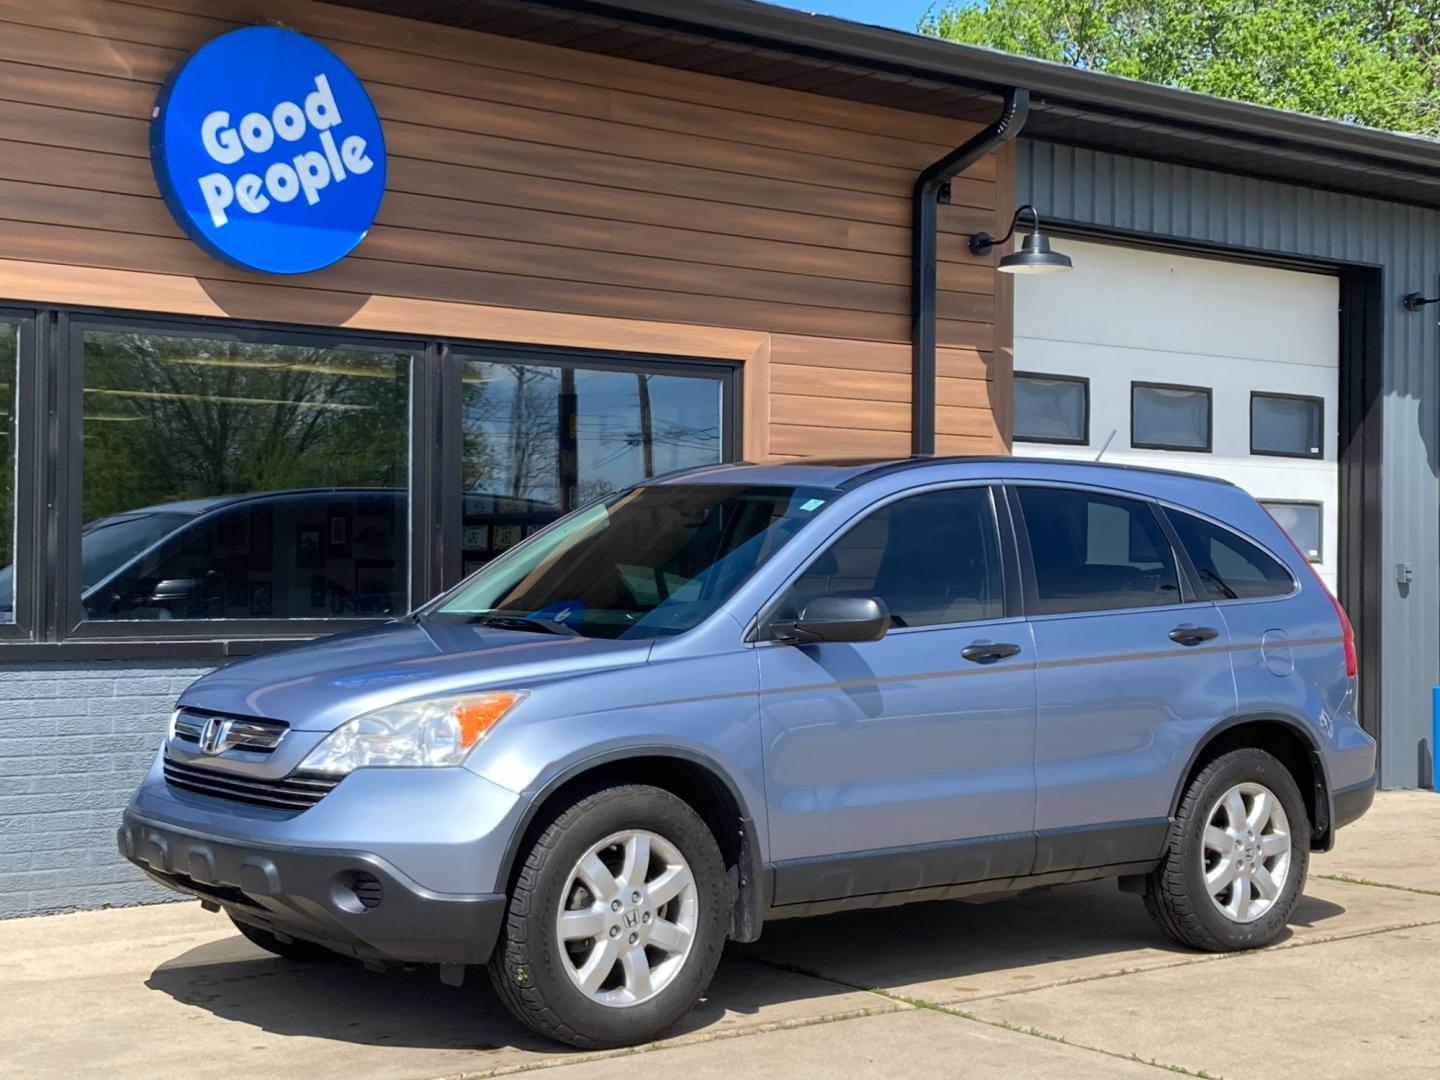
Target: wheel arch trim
1322,831
748,911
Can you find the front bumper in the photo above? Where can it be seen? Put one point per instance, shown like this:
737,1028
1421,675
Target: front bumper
353,902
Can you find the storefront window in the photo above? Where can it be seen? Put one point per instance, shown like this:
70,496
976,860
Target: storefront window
228,479
9,350
541,440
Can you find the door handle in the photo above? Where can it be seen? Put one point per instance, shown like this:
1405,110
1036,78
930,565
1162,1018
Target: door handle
1193,635
983,652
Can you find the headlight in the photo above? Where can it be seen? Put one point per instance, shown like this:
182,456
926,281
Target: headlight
431,731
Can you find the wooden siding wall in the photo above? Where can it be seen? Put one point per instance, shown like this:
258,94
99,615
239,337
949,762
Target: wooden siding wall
536,194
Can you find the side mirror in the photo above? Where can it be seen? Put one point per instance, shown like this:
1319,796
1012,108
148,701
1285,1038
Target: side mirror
841,618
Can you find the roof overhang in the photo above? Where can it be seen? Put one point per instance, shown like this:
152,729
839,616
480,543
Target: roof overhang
760,42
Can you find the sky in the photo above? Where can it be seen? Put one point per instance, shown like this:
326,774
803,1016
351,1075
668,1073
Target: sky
899,14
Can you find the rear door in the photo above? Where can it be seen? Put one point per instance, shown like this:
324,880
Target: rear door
1131,670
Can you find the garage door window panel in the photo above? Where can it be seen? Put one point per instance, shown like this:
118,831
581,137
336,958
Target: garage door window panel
1287,425
1303,522
1095,552
1052,408
1170,417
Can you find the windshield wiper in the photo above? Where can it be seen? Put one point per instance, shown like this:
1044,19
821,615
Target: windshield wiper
504,621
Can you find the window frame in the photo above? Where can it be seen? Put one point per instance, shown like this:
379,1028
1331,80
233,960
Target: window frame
1084,382
49,623
1209,393
1184,572
31,395
761,628
1277,396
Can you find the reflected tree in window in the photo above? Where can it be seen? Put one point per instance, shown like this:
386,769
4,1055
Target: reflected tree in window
229,479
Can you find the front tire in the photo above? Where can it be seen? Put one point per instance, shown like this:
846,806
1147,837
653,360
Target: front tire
1235,863
616,921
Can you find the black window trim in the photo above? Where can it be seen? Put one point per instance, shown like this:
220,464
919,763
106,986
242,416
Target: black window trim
1084,381
1277,396
1011,601
1169,447
1189,596
1320,506
1197,584
49,474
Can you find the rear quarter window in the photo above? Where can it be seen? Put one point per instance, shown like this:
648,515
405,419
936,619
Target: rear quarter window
1230,567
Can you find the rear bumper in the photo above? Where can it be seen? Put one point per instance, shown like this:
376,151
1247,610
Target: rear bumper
320,895
1350,803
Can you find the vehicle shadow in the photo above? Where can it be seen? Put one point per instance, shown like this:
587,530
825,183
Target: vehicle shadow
937,951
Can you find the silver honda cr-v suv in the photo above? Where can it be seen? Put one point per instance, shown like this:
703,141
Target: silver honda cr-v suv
757,691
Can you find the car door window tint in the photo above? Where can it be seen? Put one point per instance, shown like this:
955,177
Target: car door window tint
1230,567
932,559
1096,552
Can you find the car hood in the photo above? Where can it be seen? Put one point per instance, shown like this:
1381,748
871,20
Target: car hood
322,684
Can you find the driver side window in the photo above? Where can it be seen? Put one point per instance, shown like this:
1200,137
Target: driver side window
932,559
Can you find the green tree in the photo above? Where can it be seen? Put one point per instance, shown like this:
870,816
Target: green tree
1373,62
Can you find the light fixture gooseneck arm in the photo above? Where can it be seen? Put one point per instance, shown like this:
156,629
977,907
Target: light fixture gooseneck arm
982,242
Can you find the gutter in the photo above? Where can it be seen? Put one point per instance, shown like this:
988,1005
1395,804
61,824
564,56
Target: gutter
932,187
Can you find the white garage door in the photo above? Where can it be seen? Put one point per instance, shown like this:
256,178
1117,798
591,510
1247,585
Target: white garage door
1188,363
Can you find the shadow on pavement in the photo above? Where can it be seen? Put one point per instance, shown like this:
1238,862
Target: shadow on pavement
964,946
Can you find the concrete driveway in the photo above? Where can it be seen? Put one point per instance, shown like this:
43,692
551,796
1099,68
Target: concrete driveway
1070,983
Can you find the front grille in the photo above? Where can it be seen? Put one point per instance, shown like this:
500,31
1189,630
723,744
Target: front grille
239,733
295,792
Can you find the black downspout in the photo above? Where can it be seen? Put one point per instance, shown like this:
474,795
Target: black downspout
924,241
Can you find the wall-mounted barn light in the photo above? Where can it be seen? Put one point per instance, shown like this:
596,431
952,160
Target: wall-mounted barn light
1034,256
1415,301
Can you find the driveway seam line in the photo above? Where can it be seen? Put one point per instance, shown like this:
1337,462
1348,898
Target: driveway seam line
1349,880
1201,959
1003,1025
893,1007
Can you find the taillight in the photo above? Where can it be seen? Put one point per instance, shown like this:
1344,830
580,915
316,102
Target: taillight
1347,631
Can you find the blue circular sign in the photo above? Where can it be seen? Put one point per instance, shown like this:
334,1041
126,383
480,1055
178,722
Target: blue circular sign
268,151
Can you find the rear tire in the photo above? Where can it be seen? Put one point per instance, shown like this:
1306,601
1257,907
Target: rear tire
616,921
1235,862
294,949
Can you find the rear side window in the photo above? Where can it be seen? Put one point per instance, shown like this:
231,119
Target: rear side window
1096,552
1230,567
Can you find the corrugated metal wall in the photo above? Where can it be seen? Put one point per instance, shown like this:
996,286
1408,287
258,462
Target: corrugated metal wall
1117,192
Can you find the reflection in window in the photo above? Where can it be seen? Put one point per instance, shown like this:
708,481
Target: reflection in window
236,480
1169,417
1302,522
932,559
540,441
1051,408
1096,552
9,350
1288,426
1230,567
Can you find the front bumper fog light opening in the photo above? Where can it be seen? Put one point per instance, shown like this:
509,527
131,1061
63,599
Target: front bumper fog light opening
357,891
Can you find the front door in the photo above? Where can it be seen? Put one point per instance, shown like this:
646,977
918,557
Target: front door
904,763
1132,671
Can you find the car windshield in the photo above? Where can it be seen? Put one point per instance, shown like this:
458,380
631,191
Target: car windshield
651,562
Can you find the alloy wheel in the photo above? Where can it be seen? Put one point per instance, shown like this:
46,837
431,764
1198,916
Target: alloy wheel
627,918
1245,853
